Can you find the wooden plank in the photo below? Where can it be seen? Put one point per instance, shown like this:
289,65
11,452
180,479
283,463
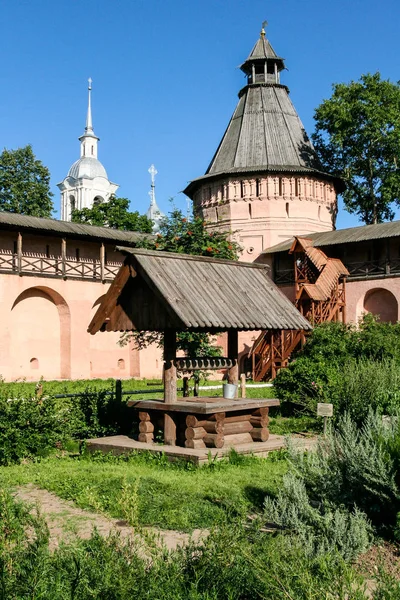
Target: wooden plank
19,252
108,304
63,256
102,261
202,407
237,438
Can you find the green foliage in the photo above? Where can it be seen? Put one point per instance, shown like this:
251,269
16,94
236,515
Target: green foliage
320,526
355,368
232,563
358,138
113,213
166,495
193,236
24,184
355,468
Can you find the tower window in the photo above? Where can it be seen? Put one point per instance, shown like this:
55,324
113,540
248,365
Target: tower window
250,211
92,150
319,212
72,203
296,187
280,186
287,209
258,187
241,189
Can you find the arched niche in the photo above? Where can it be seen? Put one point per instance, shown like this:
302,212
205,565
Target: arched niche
41,328
383,303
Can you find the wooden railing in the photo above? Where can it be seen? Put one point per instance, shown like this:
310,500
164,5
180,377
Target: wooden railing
57,266
360,269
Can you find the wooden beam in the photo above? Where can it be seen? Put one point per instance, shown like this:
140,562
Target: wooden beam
108,304
233,372
170,393
63,256
102,261
19,252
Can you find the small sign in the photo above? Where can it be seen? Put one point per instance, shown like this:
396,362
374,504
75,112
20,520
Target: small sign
324,409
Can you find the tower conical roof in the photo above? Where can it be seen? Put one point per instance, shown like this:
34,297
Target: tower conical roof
265,132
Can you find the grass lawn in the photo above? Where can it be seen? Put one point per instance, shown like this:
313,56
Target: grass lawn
157,493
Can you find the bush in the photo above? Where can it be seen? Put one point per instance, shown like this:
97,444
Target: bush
232,563
33,427
351,470
357,369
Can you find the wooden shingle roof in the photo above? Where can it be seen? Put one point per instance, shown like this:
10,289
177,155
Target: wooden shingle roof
155,291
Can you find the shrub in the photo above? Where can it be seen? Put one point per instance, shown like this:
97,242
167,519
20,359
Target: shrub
352,469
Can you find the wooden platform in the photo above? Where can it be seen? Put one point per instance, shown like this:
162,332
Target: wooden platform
121,444
204,405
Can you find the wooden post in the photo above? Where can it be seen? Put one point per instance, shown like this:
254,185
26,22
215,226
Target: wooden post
233,372
185,387
102,261
243,385
19,252
118,390
63,255
170,395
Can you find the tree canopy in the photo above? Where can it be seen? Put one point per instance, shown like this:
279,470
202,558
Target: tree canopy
24,183
193,236
113,213
357,138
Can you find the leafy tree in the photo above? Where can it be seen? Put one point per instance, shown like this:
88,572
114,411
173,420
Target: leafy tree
113,213
24,183
187,236
192,236
357,138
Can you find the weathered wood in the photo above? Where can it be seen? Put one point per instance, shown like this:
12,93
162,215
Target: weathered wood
214,426
238,417
243,385
238,427
260,435
102,261
214,440
146,427
169,430
108,304
261,412
233,372
146,437
237,438
193,421
259,421
63,256
194,444
19,252
170,392
194,433
143,416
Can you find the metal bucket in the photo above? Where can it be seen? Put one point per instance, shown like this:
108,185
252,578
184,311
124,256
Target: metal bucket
229,391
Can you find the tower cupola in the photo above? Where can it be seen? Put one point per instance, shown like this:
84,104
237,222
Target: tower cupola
263,65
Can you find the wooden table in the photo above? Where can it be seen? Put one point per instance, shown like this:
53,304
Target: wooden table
200,422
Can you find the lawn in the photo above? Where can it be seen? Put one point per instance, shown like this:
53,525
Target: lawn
158,493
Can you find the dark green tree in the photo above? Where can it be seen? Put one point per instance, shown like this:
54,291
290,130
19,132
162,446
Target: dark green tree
357,138
113,213
24,183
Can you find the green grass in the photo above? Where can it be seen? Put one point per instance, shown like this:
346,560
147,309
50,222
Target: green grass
162,494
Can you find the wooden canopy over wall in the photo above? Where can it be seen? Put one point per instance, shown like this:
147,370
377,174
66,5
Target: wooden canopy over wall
160,291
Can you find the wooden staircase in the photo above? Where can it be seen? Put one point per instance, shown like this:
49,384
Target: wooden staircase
319,296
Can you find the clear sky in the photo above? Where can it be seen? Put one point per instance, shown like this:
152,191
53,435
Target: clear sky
165,76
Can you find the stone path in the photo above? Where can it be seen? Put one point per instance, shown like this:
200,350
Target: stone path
66,521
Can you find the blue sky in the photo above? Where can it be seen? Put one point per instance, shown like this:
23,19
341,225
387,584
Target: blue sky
165,76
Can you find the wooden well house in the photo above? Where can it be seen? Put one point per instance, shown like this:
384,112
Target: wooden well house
167,292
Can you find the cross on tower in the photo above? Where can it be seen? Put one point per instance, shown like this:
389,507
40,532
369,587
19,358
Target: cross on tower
153,172
90,83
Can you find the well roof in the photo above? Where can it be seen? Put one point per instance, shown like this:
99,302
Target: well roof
65,228
193,292
344,236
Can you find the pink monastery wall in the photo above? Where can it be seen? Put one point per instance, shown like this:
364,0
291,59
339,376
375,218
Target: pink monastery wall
45,319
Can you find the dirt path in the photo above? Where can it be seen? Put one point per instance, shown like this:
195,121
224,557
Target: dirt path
66,521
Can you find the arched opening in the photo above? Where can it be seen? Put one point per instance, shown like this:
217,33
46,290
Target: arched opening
72,203
379,301
98,200
121,364
41,326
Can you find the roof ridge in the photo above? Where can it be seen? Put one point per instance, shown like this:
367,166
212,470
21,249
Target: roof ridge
193,257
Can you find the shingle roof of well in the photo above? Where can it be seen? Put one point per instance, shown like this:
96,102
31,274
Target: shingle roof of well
344,236
76,230
208,293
